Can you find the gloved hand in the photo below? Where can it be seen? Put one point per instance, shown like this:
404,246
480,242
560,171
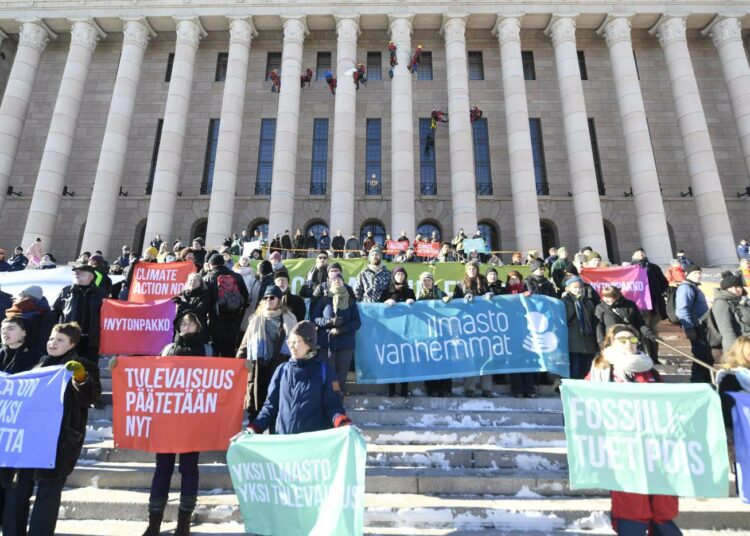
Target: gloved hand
112,362
337,322
488,296
79,373
253,429
446,299
468,298
341,420
691,334
334,331
390,303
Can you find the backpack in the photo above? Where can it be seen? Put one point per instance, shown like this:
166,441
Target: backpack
229,298
671,295
713,335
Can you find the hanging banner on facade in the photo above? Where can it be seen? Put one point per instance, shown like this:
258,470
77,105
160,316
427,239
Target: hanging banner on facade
158,281
136,329
474,244
394,247
177,404
631,280
312,483
31,409
665,439
431,340
741,420
427,249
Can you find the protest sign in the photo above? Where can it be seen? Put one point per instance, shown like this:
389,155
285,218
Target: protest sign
136,329
312,483
474,244
158,281
394,247
665,439
31,408
51,280
249,247
430,340
631,280
741,425
427,249
177,404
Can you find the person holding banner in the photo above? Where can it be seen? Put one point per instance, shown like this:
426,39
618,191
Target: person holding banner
536,283
617,309
734,375
657,286
373,282
399,292
494,285
429,291
582,322
633,514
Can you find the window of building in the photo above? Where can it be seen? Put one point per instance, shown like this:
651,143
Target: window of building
154,156
273,61
537,151
374,66
476,66
489,233
222,59
317,229
210,159
597,159
582,65
529,71
482,168
427,174
373,158
323,65
265,157
376,228
199,228
549,236
425,66
426,229
170,63
319,169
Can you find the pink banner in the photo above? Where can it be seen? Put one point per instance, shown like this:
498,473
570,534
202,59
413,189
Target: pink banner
394,247
427,249
136,329
631,280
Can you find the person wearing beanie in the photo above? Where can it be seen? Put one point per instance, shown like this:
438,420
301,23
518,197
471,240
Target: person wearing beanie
560,267
292,302
265,276
317,275
690,307
536,283
228,298
199,252
582,322
494,285
374,280
428,290
399,292
657,285
730,311
304,394
320,291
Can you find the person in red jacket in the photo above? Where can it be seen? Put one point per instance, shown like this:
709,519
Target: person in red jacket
437,116
621,360
275,81
306,78
475,114
675,273
414,63
392,52
360,76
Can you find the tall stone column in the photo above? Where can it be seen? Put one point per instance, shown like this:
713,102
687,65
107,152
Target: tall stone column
588,211
649,206
402,130
287,128
344,131
727,37
461,141
221,207
31,42
54,165
713,219
103,207
169,160
521,159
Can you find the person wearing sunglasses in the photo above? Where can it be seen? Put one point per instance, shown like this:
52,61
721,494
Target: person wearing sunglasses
620,360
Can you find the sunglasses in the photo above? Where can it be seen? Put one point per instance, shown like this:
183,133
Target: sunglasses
633,339
270,298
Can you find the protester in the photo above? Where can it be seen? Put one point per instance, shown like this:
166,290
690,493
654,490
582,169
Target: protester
685,261
303,395
582,323
446,253
228,296
316,276
32,307
299,244
352,247
338,243
101,279
18,261
374,281
536,283
513,283
560,267
731,310
494,285
292,302
4,266
264,345
621,361
194,299
265,276
675,273
399,292
252,284
551,257
429,291
337,318
369,242
617,309
690,306
734,375
657,285
48,262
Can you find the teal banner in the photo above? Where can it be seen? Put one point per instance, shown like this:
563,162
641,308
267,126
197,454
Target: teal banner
311,483
665,439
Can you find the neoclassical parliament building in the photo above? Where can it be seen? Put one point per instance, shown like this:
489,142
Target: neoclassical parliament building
607,123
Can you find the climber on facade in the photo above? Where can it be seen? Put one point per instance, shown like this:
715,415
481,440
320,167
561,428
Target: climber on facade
275,81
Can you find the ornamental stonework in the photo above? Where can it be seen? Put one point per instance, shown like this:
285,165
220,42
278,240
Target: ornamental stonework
34,36
401,30
508,29
241,31
136,33
671,31
294,29
562,30
188,32
726,31
84,34
617,30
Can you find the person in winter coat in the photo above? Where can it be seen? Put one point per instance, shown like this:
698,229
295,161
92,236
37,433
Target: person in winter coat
317,275
675,273
514,283
291,301
621,361
303,395
536,283
322,290
582,322
265,276
18,261
352,247
690,307
559,268
325,241
286,244
275,244
338,243
369,242
264,346
494,285
399,292
429,291
337,318
229,297
4,266
194,299
31,306
657,285
617,309
252,283
373,282
15,354
731,310
299,244
734,376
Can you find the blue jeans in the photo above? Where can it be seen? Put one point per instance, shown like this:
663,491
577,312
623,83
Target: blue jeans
626,527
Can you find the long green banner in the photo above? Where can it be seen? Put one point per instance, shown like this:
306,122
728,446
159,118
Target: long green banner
665,439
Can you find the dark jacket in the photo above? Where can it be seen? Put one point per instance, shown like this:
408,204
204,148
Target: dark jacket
311,242
286,241
82,305
275,245
211,280
622,311
496,288
580,342
590,292
299,242
400,295
346,322
18,360
301,398
295,304
371,286
540,285
6,302
190,344
4,266
732,316
315,277
18,263
558,270
478,287
325,242
338,243
657,286
200,257
728,384
196,301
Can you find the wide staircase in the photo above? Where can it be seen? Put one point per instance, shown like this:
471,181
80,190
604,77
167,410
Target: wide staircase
434,466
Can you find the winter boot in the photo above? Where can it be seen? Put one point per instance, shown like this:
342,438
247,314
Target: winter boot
154,524
183,523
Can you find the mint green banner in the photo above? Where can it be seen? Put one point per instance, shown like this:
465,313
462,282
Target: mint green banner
311,483
665,439
446,274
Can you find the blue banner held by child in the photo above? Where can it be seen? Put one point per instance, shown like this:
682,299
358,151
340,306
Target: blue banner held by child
31,408
741,420
430,340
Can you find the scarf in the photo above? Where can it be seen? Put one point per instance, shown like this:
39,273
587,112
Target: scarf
625,364
27,308
425,294
376,267
583,321
340,298
742,374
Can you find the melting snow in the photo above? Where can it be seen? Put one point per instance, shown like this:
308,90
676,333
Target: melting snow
414,437
513,439
526,493
432,419
596,521
98,434
531,462
222,511
432,459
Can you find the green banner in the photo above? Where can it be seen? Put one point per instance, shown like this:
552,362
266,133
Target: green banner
446,274
311,483
665,439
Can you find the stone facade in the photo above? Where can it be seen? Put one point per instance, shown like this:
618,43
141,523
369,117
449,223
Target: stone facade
618,210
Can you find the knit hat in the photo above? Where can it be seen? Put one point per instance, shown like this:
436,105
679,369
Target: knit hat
571,280
281,272
216,260
730,280
426,275
335,275
85,268
152,251
199,240
692,268
536,265
334,266
373,251
306,331
33,291
273,290
493,270
398,269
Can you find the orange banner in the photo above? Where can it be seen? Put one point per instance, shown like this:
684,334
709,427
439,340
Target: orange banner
428,249
177,404
394,247
158,281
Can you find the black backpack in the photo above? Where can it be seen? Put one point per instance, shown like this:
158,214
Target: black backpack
671,298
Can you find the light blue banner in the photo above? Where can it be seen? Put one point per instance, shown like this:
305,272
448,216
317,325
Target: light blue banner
31,408
430,340
474,244
741,419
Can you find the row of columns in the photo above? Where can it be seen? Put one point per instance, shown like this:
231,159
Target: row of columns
705,181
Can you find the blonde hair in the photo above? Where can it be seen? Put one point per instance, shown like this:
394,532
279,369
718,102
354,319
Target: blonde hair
600,361
738,354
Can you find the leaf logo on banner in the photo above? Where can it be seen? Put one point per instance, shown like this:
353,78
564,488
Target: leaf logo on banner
539,340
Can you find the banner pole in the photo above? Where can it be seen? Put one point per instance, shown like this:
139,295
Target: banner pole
712,369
